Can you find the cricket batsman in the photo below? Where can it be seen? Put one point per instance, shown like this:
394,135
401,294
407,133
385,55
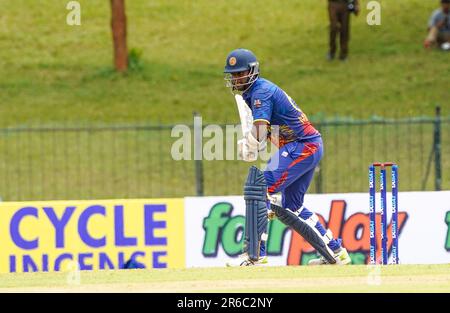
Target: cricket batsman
289,170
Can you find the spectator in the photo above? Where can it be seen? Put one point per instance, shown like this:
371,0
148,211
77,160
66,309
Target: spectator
439,26
339,12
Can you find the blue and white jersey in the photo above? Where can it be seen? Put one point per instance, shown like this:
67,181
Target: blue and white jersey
270,103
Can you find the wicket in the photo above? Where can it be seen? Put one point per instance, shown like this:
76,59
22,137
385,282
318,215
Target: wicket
372,213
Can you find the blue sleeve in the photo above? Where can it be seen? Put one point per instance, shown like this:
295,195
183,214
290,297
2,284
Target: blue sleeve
262,106
434,19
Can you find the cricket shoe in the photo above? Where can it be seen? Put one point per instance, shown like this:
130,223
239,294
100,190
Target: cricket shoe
341,257
244,260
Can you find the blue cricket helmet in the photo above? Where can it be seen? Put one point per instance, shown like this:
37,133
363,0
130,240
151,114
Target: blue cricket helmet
241,60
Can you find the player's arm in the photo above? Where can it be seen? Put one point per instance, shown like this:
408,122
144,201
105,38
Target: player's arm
255,140
259,130
262,112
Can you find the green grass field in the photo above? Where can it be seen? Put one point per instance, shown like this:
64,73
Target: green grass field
355,278
53,73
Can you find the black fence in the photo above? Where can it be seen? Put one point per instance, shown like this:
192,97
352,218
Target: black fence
51,163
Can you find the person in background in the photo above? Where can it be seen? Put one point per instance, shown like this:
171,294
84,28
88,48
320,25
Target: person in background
439,27
339,12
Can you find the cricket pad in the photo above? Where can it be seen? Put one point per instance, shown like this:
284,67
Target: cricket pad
255,196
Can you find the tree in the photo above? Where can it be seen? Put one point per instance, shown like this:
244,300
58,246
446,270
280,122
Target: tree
119,31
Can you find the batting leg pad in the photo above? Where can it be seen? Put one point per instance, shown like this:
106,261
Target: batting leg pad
307,230
255,196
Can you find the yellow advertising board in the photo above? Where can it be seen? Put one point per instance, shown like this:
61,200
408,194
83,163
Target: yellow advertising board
102,234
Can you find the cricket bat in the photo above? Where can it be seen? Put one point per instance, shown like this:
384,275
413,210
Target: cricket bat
246,117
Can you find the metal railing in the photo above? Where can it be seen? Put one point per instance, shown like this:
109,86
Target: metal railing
50,163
